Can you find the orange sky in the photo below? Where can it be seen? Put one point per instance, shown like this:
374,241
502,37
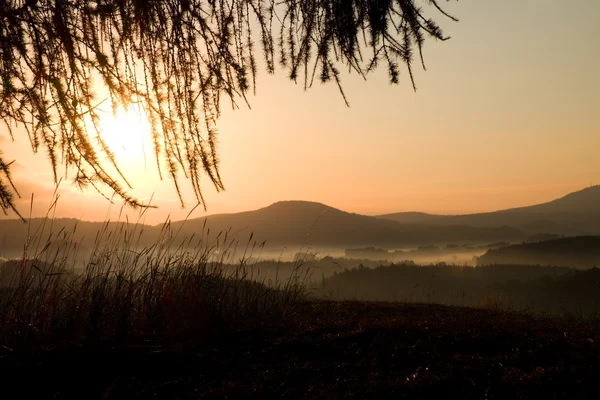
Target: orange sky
506,115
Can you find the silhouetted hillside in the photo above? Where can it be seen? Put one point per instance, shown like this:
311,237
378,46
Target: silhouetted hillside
579,252
297,222
539,289
286,223
57,237
577,213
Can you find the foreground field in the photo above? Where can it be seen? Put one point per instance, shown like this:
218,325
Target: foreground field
331,350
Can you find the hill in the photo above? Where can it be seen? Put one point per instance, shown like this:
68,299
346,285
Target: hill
286,223
294,223
59,237
298,222
577,213
578,252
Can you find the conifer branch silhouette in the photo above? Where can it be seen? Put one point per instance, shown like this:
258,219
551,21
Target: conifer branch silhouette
177,60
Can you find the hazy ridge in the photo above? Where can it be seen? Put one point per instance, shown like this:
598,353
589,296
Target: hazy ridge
580,252
294,223
577,213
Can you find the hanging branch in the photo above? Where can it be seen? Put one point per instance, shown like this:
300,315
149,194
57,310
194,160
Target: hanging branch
176,59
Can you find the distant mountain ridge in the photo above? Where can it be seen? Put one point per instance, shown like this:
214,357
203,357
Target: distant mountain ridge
295,223
577,213
282,224
298,222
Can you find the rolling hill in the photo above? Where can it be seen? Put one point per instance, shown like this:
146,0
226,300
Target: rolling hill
295,223
577,252
286,223
577,213
298,222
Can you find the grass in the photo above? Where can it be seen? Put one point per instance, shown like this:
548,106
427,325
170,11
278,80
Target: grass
175,289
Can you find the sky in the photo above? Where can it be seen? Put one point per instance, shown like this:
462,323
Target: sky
506,115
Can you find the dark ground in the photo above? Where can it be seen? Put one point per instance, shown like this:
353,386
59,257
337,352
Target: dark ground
334,350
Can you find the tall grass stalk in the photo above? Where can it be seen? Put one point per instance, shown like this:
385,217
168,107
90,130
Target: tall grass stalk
176,288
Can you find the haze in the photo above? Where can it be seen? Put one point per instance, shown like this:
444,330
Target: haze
506,115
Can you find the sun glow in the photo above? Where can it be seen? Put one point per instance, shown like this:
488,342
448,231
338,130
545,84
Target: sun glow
127,135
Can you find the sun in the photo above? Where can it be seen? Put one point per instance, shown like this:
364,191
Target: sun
127,135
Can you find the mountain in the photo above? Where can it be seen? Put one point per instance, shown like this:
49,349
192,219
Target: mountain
577,213
286,223
299,222
578,252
